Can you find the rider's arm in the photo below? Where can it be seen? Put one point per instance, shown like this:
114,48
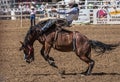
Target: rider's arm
71,11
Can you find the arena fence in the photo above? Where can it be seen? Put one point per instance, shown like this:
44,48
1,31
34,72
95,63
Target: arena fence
91,12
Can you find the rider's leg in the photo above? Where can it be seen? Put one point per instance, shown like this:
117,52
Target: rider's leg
48,24
31,20
34,21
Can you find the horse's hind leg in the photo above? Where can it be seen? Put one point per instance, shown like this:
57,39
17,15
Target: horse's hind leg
90,63
86,58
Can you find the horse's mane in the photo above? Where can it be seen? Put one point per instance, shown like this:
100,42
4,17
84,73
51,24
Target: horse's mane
28,33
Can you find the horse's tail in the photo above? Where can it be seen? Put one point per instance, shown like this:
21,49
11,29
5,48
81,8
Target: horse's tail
101,47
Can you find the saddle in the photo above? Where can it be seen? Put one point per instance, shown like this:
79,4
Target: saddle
61,22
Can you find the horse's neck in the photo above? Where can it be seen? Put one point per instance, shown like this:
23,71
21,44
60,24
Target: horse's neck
29,40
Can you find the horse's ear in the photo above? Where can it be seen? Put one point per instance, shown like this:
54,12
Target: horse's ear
21,42
21,48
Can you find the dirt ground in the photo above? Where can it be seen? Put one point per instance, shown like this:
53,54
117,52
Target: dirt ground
14,69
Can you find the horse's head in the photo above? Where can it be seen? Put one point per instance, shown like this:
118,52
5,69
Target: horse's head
27,46
28,52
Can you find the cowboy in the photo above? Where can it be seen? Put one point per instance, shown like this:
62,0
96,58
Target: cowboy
73,14
32,16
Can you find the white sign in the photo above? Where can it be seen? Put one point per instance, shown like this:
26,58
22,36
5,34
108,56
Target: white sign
106,16
84,17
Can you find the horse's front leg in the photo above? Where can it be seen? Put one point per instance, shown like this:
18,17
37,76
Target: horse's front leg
42,53
46,57
45,53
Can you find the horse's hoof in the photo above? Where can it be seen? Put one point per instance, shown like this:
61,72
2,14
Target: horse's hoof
62,72
28,61
53,64
85,74
51,58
